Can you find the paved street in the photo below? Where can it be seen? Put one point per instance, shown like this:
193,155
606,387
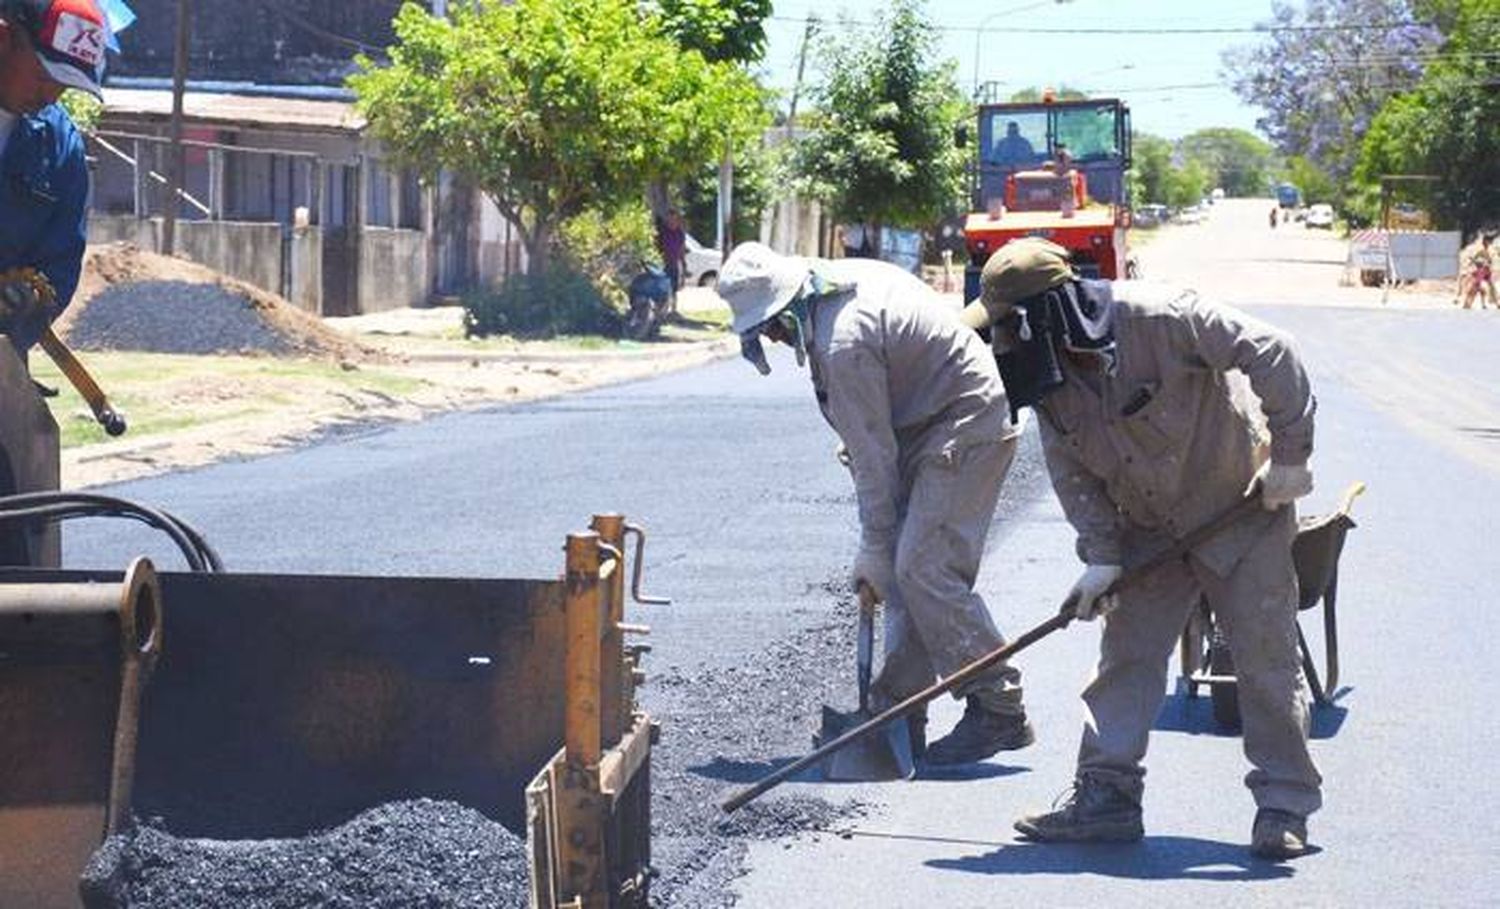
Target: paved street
751,517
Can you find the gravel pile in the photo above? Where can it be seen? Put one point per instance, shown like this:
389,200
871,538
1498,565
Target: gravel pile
176,317
130,299
725,727
403,854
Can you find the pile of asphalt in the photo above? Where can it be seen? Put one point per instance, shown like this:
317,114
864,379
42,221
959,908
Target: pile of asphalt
724,727
132,300
402,854
177,317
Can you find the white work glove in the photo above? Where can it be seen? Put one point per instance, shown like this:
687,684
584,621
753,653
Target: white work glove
1282,484
1088,595
875,565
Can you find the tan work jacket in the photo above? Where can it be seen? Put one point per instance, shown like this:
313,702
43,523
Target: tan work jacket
1175,435
900,379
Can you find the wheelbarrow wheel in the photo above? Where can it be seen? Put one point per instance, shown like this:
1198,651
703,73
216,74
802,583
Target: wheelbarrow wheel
1225,695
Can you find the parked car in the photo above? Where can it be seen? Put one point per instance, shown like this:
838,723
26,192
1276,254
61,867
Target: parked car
1320,216
702,264
1151,215
1193,214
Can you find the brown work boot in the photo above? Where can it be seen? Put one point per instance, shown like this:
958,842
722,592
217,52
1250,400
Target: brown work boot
981,733
1094,811
1278,835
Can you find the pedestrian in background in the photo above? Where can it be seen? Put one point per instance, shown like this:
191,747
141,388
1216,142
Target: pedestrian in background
917,403
671,242
1150,429
1478,275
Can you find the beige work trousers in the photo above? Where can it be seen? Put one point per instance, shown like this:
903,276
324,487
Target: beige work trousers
935,623
1256,605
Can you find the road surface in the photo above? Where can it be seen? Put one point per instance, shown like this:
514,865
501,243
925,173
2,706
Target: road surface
752,527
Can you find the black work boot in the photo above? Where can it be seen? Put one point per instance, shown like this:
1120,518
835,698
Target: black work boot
916,734
1094,812
981,733
1278,835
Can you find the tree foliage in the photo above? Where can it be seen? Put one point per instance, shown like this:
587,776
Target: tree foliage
552,107
1150,170
1325,69
1172,174
1314,183
1239,161
82,108
882,150
1449,125
720,30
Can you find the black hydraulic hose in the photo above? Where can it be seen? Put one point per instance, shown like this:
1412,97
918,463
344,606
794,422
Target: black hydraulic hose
63,506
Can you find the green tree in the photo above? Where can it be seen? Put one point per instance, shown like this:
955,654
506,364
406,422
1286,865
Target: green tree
1239,161
1186,184
552,107
1151,169
720,30
1322,69
1314,182
82,107
1449,125
882,149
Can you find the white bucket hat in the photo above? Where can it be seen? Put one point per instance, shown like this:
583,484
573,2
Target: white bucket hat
757,282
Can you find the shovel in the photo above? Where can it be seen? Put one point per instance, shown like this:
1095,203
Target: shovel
883,756
881,723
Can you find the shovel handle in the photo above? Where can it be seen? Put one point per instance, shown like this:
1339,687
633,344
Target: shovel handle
865,654
1247,505
78,374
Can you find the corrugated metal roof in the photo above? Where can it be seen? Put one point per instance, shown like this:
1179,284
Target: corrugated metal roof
204,107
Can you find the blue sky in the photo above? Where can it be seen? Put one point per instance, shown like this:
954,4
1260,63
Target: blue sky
1151,72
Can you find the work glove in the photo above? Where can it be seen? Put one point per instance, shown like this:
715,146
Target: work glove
25,300
1088,593
875,565
1281,484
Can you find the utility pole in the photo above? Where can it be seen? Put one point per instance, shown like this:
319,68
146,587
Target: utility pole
791,116
175,162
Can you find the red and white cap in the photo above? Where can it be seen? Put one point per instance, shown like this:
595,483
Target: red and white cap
71,38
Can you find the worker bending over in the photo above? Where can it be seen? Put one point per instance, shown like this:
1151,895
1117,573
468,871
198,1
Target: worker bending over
1149,431
917,402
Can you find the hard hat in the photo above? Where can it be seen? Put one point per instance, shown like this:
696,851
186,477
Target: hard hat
757,283
1017,271
70,37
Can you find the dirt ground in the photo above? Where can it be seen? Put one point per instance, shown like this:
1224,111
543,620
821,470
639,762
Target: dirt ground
188,411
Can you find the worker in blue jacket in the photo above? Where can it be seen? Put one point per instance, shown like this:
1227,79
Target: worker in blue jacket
46,47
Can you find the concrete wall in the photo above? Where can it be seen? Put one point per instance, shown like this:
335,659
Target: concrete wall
253,253
393,269
305,262
250,252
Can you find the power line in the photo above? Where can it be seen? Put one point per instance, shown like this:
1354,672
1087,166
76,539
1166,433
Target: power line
297,21
1156,31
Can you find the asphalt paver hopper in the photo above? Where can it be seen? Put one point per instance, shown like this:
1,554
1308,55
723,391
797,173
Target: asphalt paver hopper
282,705
875,758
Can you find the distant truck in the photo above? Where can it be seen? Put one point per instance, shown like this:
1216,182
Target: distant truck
1055,169
1288,196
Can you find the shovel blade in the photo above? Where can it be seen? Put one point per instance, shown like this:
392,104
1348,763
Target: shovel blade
883,755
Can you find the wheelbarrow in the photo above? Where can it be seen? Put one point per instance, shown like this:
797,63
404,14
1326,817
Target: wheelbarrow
1205,653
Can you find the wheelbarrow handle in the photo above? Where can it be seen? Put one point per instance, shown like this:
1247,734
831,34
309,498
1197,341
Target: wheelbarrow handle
1064,617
